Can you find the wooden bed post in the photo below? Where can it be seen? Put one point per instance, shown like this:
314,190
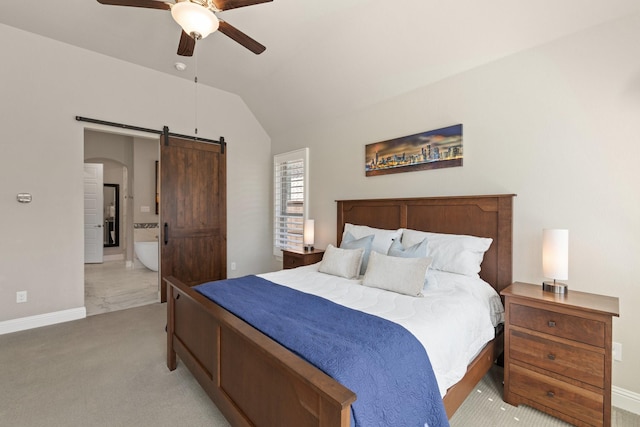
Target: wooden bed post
171,353
505,248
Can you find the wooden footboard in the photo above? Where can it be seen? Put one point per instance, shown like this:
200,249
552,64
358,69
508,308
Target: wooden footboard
255,381
252,379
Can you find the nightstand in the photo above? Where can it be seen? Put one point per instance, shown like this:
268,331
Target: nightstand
293,259
557,353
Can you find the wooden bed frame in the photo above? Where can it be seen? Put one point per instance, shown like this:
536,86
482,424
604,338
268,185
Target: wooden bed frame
254,380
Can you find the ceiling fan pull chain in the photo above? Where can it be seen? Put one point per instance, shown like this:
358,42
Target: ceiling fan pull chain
195,80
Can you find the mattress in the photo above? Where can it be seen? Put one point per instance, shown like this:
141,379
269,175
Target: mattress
454,319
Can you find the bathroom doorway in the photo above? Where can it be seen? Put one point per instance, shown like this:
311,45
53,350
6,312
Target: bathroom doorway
129,167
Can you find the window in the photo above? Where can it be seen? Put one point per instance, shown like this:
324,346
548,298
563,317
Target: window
290,172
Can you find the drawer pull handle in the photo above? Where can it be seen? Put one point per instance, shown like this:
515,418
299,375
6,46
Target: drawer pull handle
551,394
552,324
551,356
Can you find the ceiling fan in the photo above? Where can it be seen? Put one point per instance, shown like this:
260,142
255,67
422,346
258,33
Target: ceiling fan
198,19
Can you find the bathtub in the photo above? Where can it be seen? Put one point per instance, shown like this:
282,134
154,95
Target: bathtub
147,253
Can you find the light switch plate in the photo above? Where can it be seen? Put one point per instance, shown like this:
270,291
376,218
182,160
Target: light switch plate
617,351
24,197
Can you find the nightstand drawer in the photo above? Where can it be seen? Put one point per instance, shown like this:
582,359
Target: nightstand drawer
562,325
293,259
564,359
568,399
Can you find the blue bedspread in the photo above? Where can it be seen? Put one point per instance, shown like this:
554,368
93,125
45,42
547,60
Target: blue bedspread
384,364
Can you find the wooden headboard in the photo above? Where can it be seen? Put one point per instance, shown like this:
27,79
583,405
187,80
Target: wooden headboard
482,216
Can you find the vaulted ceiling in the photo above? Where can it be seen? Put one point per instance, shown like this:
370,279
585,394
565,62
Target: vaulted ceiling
324,58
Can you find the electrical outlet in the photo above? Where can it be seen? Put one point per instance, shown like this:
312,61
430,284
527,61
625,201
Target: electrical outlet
21,296
233,266
617,351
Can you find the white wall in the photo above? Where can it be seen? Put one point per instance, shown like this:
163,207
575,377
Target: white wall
49,83
557,125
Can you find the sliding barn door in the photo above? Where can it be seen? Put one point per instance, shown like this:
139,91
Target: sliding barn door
193,209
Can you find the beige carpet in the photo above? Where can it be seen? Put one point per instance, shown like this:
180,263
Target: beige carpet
109,370
105,370
485,407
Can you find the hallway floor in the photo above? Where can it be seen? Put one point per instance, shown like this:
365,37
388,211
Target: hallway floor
111,286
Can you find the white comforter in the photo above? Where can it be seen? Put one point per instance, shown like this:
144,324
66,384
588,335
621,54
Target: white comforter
453,321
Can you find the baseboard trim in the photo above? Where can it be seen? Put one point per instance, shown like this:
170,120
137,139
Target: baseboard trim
39,320
625,399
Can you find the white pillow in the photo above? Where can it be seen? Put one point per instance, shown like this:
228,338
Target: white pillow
396,274
341,262
382,238
454,253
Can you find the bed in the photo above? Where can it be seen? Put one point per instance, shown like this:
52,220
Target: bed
256,381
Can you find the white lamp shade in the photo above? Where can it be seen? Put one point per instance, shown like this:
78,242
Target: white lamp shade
555,254
309,237
194,18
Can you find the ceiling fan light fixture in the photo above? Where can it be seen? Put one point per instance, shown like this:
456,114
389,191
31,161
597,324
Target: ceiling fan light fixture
195,20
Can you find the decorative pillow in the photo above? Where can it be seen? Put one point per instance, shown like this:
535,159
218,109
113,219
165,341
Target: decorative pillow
395,274
341,262
419,250
454,253
382,238
350,242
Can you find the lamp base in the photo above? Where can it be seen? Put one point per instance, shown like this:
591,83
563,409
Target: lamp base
308,248
555,287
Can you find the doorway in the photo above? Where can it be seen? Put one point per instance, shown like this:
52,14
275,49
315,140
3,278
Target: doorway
121,281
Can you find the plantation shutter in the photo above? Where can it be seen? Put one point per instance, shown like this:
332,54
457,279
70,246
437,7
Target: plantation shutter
290,199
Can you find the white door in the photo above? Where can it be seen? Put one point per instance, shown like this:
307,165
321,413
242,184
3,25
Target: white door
93,213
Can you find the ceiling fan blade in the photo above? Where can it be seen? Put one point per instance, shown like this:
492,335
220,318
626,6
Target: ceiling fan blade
187,45
234,4
149,4
237,35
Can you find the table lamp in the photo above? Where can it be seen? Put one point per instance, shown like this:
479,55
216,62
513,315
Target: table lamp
308,234
555,259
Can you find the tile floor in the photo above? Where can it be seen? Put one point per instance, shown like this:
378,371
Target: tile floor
112,286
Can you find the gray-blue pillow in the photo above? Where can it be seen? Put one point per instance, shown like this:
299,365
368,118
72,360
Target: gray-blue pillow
350,242
419,250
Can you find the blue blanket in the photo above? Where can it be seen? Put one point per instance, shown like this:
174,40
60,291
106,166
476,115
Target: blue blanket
384,364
